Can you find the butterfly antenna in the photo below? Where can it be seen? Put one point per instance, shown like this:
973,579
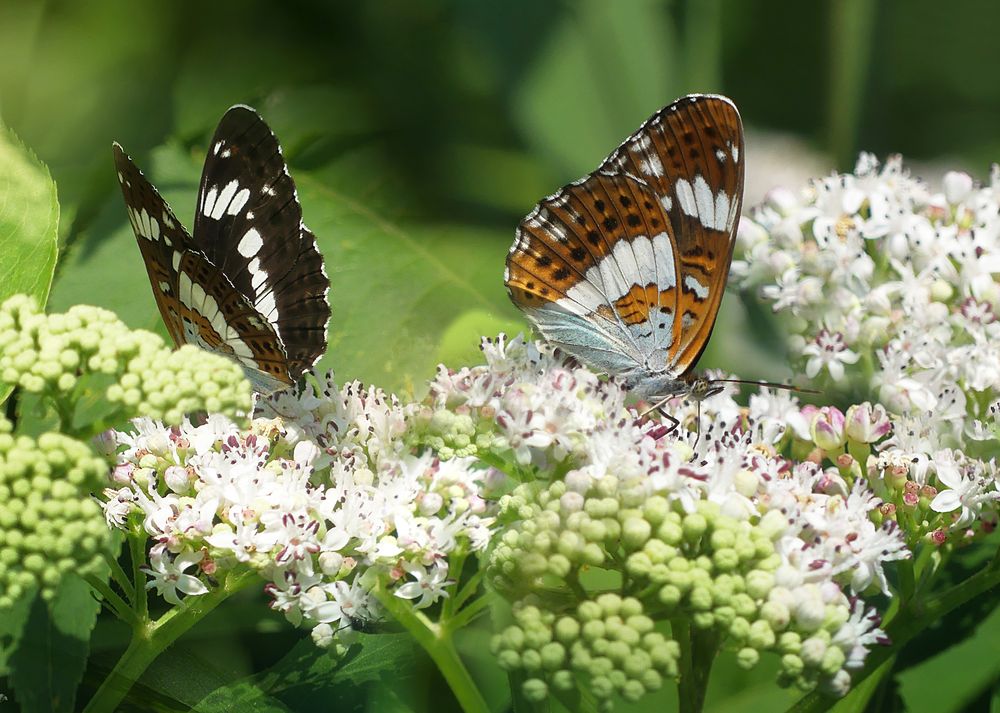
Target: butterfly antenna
768,384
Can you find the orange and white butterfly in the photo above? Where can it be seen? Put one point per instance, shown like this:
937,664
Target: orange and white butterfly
625,268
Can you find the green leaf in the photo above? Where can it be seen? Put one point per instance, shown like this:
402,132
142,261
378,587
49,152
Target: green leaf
49,662
460,341
29,221
103,267
732,689
970,667
12,624
307,674
47,57
395,290
29,224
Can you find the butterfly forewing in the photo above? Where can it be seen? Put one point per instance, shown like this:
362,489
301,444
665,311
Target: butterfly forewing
248,221
625,268
303,311
691,154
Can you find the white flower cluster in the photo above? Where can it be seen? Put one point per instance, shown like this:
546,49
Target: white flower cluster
538,402
912,470
888,289
334,491
877,267
560,419
320,499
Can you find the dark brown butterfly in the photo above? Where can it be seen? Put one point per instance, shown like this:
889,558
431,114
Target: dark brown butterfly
249,284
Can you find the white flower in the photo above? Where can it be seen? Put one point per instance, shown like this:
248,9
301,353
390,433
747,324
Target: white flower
427,586
168,574
828,351
859,633
967,490
117,506
957,186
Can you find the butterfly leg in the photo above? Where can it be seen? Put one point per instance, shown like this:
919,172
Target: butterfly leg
674,422
658,407
697,427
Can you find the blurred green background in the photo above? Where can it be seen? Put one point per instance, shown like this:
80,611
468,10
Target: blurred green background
420,131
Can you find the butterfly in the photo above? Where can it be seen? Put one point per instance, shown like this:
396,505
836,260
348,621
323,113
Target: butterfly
250,282
625,268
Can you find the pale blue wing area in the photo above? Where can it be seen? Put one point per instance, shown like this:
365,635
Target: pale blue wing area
596,341
607,347
262,382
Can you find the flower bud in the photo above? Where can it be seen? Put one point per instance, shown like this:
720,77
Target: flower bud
867,423
827,428
177,478
747,658
957,186
429,504
535,690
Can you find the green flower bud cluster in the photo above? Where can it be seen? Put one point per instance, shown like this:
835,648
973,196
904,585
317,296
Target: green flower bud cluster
608,641
48,525
712,570
166,384
49,354
455,434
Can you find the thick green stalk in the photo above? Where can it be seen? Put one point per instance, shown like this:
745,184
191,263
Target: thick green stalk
151,638
436,640
698,650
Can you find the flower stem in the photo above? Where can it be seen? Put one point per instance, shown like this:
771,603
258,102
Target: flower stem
137,553
467,614
851,23
150,638
698,649
435,638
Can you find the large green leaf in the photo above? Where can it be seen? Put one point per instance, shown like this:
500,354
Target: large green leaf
395,291
29,221
49,662
12,625
971,669
308,674
74,78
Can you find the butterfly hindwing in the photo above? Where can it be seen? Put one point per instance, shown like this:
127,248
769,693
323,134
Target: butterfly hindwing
161,237
625,268
587,251
198,304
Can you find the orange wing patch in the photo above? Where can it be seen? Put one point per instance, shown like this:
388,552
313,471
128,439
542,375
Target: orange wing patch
534,287
637,306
